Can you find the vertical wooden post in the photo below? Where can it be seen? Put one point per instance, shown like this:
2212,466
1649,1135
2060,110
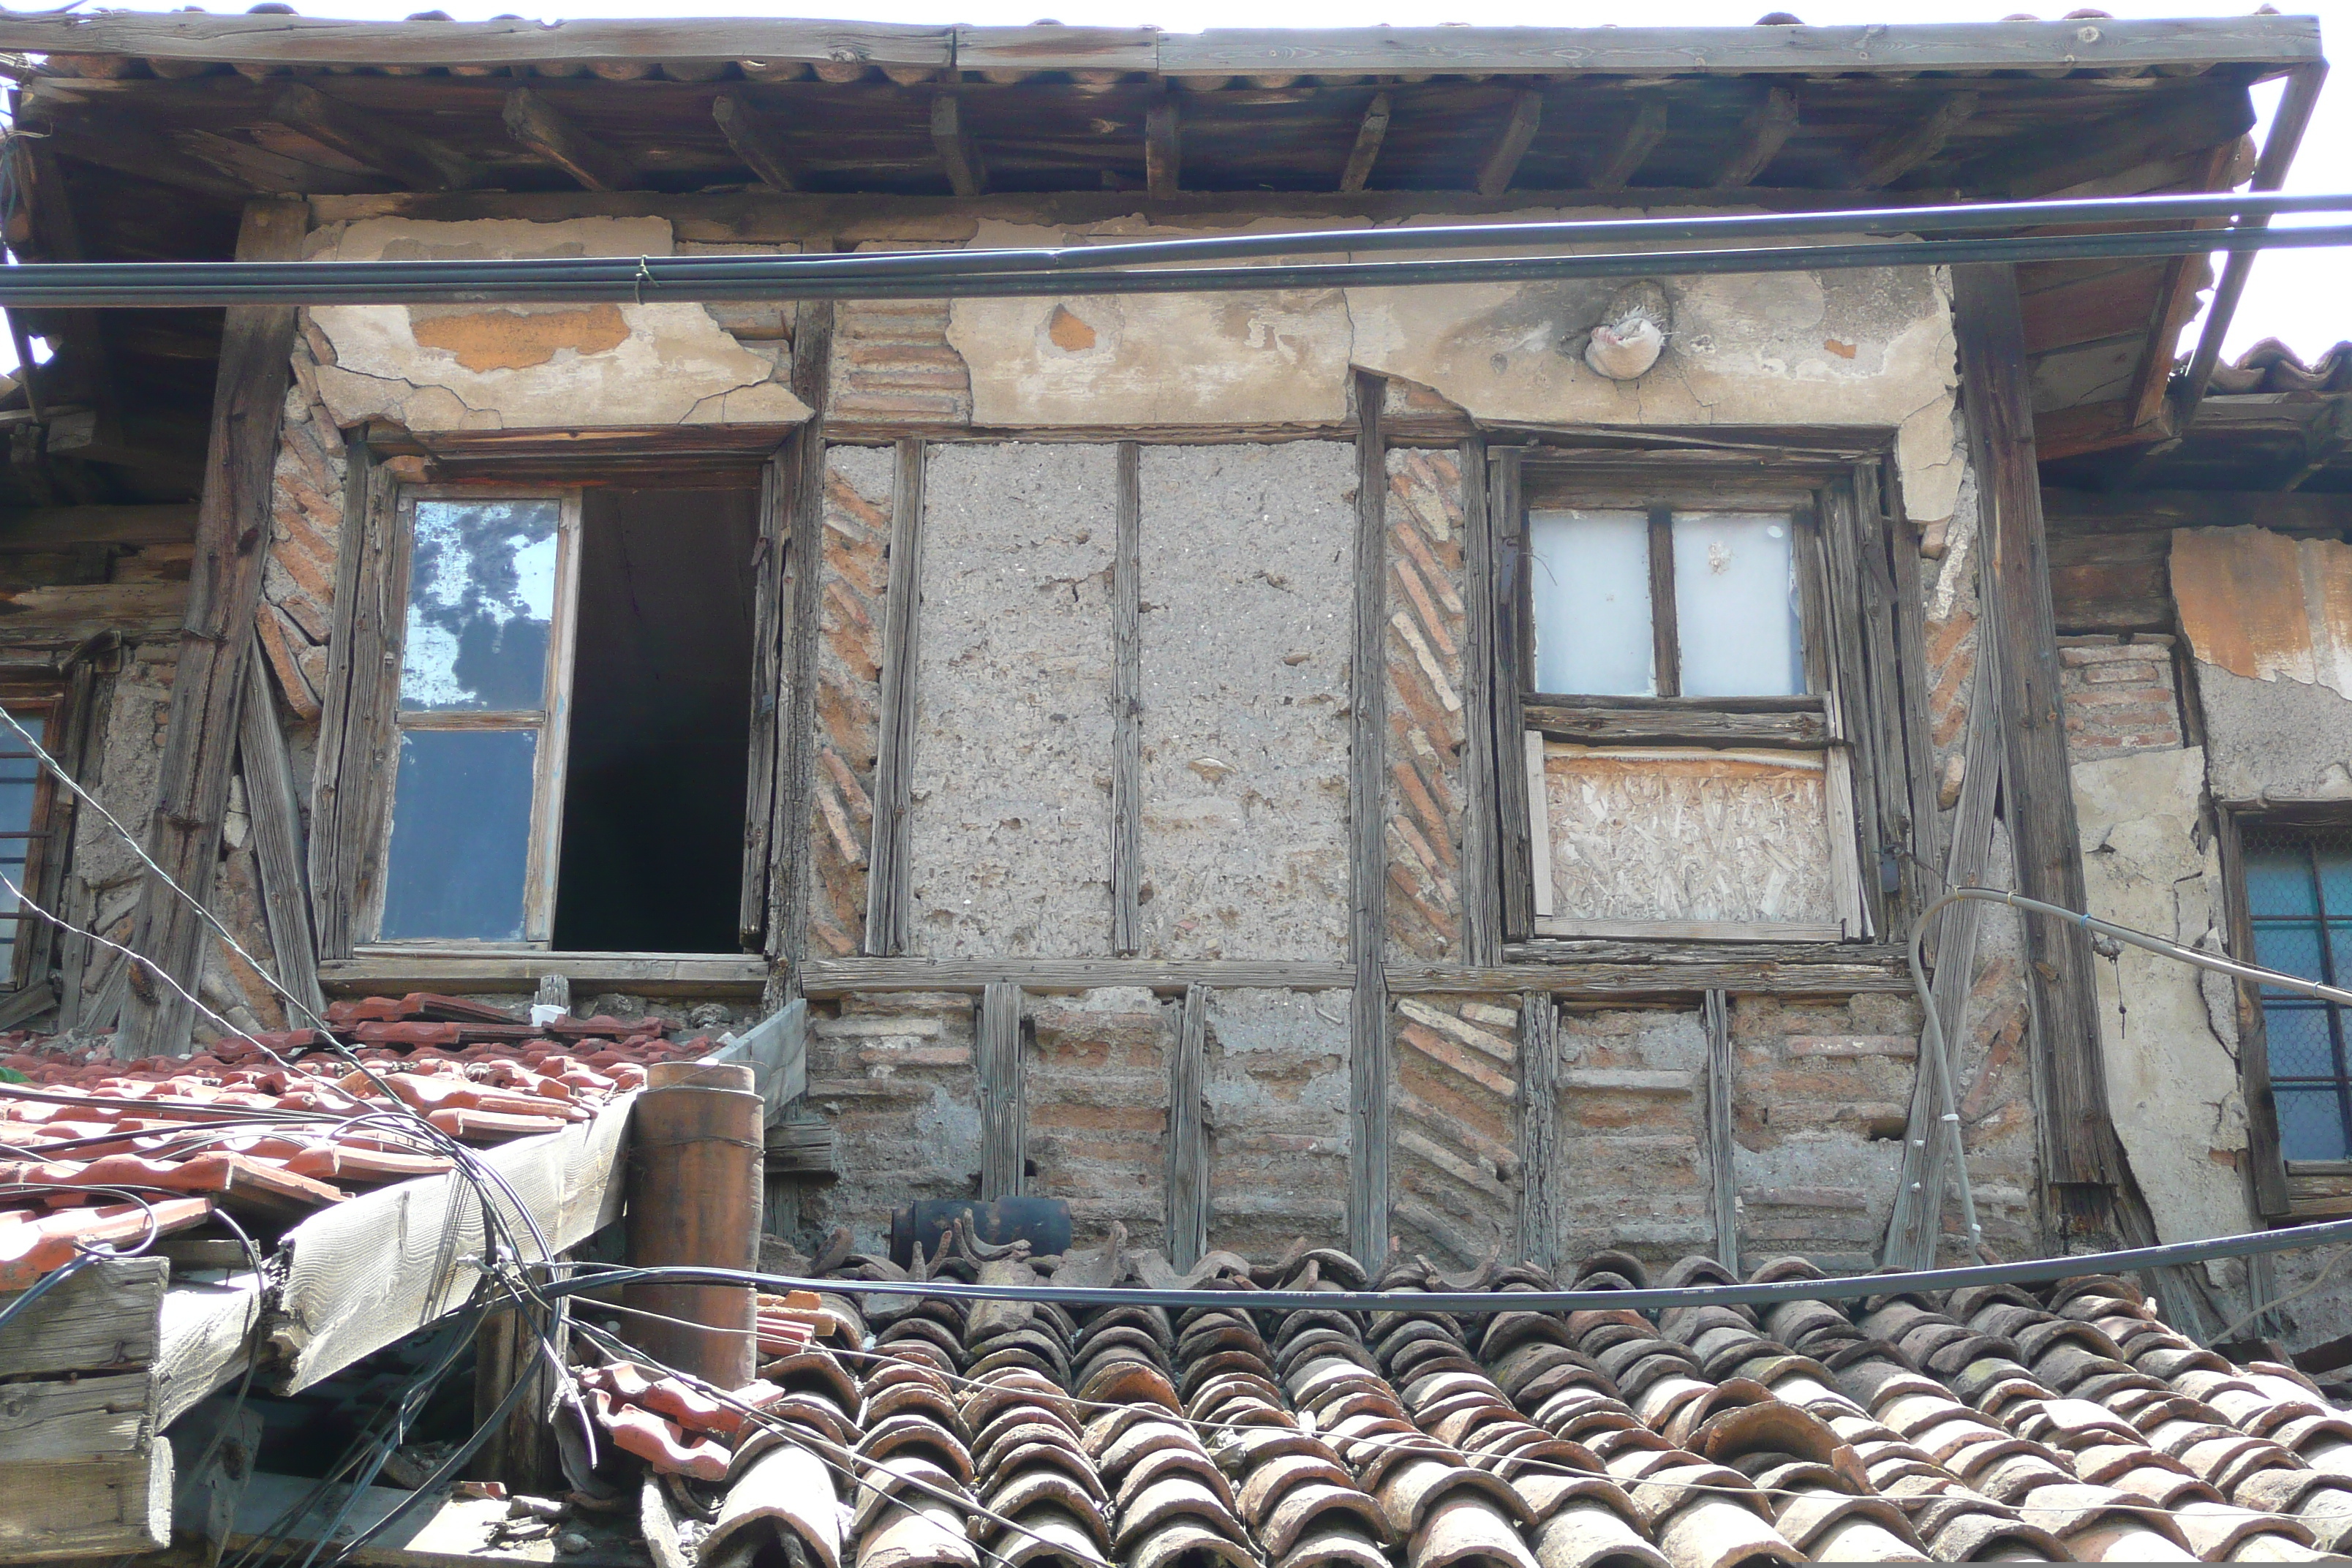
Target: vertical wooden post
1368,934
695,1151
1538,1150
1003,1116
1714,1012
887,885
233,528
1188,1142
790,873
1506,523
355,741
261,757
2078,1142
1482,907
1127,709
506,1352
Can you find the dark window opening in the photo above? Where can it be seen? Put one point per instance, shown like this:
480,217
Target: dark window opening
654,798
2299,899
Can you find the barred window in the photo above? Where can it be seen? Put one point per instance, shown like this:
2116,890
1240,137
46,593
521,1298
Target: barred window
2299,899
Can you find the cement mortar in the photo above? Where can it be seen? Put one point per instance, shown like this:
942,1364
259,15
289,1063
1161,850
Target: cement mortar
1247,564
1277,1086
2273,740
1010,827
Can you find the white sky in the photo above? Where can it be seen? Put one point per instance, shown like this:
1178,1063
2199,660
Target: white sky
2300,297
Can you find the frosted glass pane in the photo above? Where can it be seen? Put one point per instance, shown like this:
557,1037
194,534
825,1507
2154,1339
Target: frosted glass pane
1591,574
460,835
481,598
1736,605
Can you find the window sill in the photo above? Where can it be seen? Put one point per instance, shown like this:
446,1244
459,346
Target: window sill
381,969
1799,722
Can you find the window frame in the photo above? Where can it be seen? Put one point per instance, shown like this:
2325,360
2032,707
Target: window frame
551,721
44,852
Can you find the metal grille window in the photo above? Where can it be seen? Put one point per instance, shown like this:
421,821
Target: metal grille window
2299,899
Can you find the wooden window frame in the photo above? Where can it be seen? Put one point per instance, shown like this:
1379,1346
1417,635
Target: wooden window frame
551,721
45,846
1862,711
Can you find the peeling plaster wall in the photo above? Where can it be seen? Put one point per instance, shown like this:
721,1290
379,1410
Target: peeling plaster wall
1010,827
2269,619
522,366
1277,1087
2168,1032
1246,564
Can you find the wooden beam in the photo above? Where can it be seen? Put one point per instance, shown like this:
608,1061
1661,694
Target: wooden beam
1481,875
1188,1137
1634,144
1368,931
1127,709
61,528
1371,131
540,127
889,885
770,613
1899,153
1506,519
1759,139
2324,440
2078,1142
263,762
1502,159
103,1318
959,153
792,873
507,1351
757,139
355,738
1722,1148
417,162
1003,1116
233,531
120,1505
1163,153
1540,1156
697,974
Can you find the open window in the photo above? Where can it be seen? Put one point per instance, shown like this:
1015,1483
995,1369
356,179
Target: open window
1684,674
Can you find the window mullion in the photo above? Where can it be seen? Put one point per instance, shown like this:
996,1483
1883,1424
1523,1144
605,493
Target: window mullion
1666,636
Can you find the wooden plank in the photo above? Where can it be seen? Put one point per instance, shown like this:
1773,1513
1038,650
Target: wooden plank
384,145
1188,1137
1507,520
959,155
1633,146
1369,1043
1693,931
1642,966
1899,152
2177,300
1481,876
1761,137
101,1413
1003,1118
757,139
232,545
1539,798
205,1336
2324,440
1540,1158
1502,159
1722,1148
2098,428
2067,512
841,976
791,875
2189,120
506,1352
1163,153
769,616
102,1319
1696,721
1915,729
2078,1137
354,738
1127,709
2271,1197
1365,151
54,1509
889,879
1050,47
540,127
799,1149
397,972
67,613
269,774
61,527
54,959
1841,633
378,1267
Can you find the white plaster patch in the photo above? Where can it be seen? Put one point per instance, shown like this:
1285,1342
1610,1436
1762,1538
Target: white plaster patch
557,366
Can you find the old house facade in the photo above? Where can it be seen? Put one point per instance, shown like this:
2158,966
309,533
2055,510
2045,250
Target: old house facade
1382,764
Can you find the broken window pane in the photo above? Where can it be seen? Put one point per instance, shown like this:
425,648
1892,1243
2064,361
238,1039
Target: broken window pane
460,835
1592,601
481,601
20,778
1736,605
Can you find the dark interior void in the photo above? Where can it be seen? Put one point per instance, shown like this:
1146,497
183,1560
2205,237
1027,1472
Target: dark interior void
661,714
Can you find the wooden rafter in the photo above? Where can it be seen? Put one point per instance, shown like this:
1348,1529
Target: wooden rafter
1634,144
1502,159
1899,153
417,162
959,155
1371,131
540,126
1162,148
756,140
2325,439
1761,137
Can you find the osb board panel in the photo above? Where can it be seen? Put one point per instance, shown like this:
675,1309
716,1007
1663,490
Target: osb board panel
1629,1125
1010,827
893,1072
1454,1168
1277,1087
1424,640
2264,606
1687,836
1095,1080
857,488
1247,557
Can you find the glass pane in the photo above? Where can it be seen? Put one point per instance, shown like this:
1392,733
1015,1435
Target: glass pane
2335,880
1736,605
2291,947
481,596
1590,578
2278,881
460,835
2299,1045
18,774
2311,1126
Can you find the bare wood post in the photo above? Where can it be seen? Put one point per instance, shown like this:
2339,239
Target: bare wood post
1482,910
1505,526
1162,148
233,527
351,736
1371,131
695,1149
2078,1142
790,871
1127,709
1368,934
277,843
540,126
506,1352
769,616
1714,1012
1538,1217
1188,1141
886,888
1003,1115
